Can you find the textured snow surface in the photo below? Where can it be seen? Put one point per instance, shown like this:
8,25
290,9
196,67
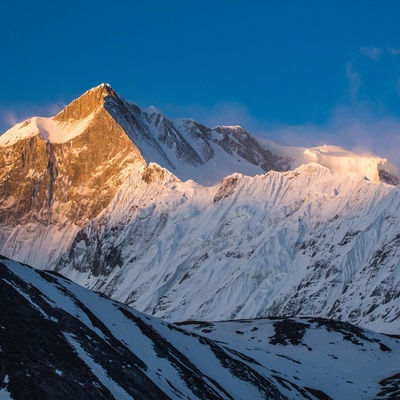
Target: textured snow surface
106,350
304,242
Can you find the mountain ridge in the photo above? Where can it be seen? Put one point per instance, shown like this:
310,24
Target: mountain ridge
61,340
182,221
193,143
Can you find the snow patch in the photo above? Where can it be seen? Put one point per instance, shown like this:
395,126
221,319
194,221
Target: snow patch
49,129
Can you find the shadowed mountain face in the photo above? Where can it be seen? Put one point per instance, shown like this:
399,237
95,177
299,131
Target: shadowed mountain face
59,340
187,222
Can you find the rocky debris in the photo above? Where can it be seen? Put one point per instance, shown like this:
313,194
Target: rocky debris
226,188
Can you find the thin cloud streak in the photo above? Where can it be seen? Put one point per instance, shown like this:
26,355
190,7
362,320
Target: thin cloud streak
374,53
357,129
10,118
393,52
355,81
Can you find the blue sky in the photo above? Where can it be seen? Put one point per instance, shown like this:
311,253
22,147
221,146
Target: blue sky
298,72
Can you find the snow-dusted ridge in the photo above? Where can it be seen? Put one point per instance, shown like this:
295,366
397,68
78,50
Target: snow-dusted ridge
48,129
59,340
53,130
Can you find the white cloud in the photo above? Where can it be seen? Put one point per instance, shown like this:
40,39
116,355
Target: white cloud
10,118
374,53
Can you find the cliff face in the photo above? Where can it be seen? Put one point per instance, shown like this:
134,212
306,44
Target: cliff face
86,104
47,182
59,174
25,179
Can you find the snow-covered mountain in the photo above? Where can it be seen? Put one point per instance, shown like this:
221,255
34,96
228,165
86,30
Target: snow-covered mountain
186,222
337,160
59,340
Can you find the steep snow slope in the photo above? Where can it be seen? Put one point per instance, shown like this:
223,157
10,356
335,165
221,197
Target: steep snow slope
59,340
189,149
49,129
304,242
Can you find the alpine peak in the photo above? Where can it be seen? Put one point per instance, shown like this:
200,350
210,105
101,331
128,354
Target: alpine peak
153,110
88,102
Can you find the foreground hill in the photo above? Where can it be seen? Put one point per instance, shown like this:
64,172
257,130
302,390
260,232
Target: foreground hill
59,340
183,222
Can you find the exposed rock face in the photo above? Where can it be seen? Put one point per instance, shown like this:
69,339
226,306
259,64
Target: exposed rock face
169,135
49,188
202,135
26,175
226,189
86,104
236,139
47,182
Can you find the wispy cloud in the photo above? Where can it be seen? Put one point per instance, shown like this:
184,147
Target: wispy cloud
374,53
393,52
354,127
10,118
355,81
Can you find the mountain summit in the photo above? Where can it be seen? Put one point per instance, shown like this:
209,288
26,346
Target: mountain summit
85,105
183,221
